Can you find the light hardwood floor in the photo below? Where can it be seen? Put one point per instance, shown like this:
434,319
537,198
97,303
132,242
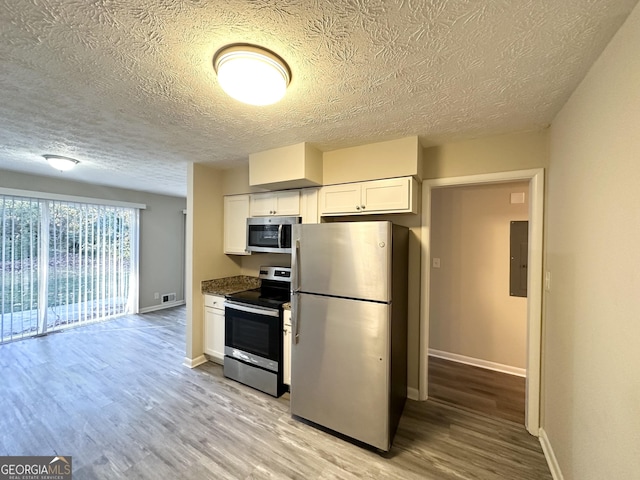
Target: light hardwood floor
493,393
116,397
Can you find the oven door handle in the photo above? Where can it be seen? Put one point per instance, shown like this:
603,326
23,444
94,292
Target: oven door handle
280,236
242,307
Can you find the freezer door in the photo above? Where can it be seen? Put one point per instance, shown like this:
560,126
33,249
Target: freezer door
346,259
340,367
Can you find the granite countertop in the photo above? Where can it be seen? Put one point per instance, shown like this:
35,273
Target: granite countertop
227,285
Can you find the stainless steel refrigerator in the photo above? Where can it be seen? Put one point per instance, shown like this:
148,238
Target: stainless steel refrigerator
349,321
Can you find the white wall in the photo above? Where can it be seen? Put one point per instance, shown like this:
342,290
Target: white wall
591,378
161,229
471,310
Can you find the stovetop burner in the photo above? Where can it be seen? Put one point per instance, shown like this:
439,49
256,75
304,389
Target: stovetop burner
258,297
274,292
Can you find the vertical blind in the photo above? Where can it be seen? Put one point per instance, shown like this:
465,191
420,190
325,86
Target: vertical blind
19,266
64,264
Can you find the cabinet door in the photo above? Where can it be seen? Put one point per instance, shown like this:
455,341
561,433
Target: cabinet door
236,211
218,335
286,349
386,195
309,205
284,203
214,327
209,339
262,205
287,203
340,199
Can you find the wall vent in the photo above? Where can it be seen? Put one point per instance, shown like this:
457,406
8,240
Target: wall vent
168,297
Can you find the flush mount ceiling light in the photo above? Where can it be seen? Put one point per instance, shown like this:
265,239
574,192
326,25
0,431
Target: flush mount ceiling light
61,163
251,74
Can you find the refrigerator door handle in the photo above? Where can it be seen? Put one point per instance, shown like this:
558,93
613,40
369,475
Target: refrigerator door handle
295,291
295,268
295,320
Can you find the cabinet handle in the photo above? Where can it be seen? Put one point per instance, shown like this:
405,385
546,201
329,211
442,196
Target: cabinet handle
363,207
357,207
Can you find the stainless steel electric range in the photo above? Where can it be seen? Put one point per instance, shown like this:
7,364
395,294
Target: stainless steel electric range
253,332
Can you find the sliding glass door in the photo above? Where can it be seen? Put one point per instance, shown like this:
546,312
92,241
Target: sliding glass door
82,270
19,266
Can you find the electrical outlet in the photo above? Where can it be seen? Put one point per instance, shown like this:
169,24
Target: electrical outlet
156,296
436,263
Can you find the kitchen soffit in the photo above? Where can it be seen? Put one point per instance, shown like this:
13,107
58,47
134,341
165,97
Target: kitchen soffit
129,89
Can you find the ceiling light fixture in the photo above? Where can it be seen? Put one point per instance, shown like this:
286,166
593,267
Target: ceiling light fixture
251,74
61,163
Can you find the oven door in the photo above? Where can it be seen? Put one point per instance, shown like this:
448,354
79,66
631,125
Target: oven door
253,334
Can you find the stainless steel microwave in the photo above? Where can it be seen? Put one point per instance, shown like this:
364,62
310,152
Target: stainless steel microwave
270,234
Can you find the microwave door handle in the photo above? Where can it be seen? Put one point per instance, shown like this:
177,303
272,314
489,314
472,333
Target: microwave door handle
280,235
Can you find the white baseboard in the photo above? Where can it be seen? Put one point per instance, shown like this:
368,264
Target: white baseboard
552,461
193,363
153,308
413,393
476,362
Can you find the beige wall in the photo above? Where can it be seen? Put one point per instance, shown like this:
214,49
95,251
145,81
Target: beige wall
293,166
394,158
591,404
497,153
471,311
204,247
236,181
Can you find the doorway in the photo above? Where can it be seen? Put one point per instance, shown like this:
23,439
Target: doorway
535,179
478,320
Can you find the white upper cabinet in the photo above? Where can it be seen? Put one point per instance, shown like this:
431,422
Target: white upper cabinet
236,211
282,203
393,195
309,205
340,199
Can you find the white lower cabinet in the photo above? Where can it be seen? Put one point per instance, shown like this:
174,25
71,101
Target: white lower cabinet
286,348
214,327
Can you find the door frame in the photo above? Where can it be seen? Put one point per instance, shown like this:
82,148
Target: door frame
535,177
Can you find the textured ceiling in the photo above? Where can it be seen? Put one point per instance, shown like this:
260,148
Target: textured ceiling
127,86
